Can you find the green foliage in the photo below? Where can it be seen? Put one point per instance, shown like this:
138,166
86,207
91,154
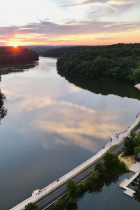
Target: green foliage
115,61
137,74
137,150
60,204
31,206
132,144
101,169
94,176
3,111
111,160
11,55
72,189
135,128
113,164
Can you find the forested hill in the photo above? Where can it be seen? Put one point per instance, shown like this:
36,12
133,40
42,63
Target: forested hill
11,55
57,52
120,61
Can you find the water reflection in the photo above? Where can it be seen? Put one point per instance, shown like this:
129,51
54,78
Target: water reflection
3,110
8,69
51,127
107,196
135,185
104,86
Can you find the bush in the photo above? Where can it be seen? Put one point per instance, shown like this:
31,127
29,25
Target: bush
31,206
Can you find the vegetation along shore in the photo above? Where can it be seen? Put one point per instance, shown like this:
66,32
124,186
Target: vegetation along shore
119,61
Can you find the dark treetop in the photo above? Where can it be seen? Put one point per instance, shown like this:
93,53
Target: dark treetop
11,55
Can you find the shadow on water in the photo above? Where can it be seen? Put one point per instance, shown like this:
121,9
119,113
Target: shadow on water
135,185
7,69
95,188
3,110
106,87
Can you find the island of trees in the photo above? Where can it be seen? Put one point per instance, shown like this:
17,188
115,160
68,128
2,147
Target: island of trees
120,61
11,55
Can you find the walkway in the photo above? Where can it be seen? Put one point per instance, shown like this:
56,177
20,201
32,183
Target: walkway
117,137
126,183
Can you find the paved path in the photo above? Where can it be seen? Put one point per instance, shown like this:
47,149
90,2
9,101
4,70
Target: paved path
116,137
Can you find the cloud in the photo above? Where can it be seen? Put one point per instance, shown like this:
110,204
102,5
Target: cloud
48,30
101,38
98,3
101,2
122,2
115,5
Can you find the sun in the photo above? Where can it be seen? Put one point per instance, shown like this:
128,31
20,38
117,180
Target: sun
14,44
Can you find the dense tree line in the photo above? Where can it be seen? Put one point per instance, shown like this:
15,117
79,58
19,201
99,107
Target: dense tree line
120,61
11,55
57,52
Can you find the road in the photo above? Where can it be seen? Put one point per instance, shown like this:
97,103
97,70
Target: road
60,191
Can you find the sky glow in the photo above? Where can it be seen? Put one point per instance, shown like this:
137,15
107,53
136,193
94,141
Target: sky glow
73,22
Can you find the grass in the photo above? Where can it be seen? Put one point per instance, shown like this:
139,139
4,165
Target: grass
133,130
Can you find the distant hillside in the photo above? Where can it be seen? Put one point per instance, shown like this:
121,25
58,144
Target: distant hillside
120,61
58,52
11,55
42,49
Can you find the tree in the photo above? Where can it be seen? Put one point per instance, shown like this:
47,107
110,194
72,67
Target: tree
59,205
31,206
111,161
130,142
3,111
100,168
137,150
72,189
137,74
137,141
94,176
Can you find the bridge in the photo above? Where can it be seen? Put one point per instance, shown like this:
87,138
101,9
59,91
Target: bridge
46,196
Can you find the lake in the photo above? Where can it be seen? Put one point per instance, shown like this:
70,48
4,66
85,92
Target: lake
54,124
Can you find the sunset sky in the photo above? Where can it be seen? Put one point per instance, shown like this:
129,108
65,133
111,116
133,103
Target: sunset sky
73,22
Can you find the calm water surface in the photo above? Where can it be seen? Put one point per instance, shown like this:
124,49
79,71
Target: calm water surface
52,126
